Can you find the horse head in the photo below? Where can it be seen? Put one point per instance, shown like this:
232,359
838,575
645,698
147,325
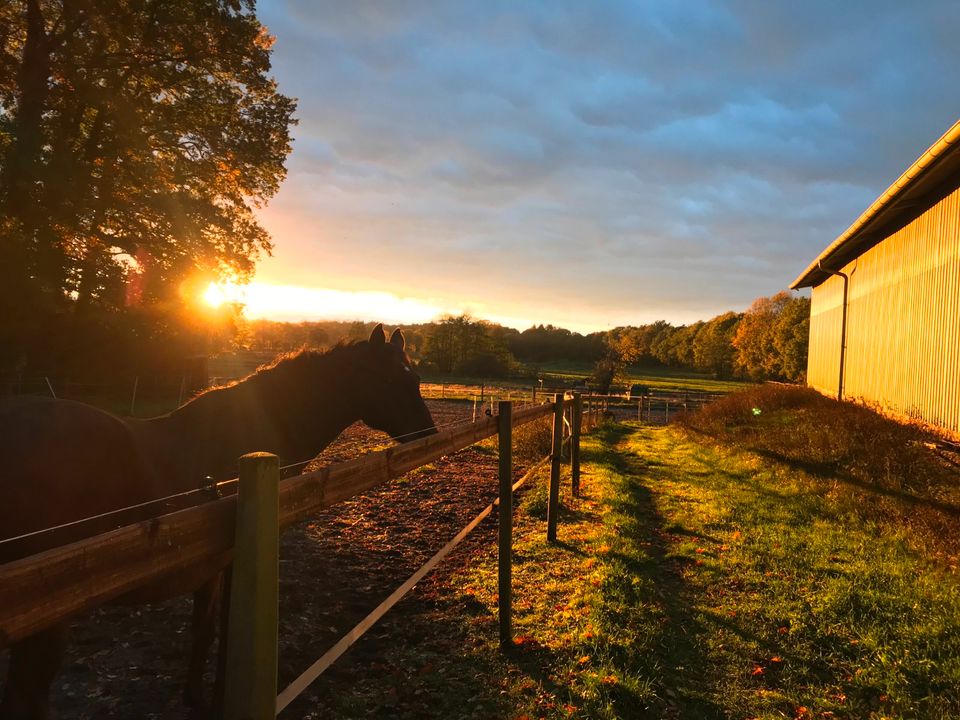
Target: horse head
391,399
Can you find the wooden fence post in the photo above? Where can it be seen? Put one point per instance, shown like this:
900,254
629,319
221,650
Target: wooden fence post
251,681
505,514
553,501
575,443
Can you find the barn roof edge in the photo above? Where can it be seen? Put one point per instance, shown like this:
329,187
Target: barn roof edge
938,166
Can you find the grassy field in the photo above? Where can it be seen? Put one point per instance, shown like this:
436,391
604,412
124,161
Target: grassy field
660,378
694,579
567,373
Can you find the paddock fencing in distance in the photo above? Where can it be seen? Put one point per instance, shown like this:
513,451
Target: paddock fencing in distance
42,589
653,405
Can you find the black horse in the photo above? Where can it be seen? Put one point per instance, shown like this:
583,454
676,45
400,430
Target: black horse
65,461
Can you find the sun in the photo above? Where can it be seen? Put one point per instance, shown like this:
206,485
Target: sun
214,295
218,293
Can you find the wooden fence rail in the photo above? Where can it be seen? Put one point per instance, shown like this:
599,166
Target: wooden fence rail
38,591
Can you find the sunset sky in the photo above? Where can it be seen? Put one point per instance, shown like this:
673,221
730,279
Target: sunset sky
586,164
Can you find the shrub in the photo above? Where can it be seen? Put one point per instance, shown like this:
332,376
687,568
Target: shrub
533,441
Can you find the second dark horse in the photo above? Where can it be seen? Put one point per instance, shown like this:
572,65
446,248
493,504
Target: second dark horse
66,461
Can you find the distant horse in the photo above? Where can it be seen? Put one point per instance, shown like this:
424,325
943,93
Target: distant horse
64,461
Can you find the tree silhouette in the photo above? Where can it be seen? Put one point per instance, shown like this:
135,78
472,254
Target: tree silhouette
136,139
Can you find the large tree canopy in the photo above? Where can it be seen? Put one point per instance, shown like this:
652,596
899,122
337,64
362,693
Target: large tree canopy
136,139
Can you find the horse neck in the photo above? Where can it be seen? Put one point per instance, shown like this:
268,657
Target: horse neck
215,429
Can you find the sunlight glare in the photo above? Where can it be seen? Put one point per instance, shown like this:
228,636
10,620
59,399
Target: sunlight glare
289,302
213,296
292,303
218,293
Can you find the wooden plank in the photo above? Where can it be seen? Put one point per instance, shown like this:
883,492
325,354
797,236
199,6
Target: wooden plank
38,591
50,538
532,413
251,678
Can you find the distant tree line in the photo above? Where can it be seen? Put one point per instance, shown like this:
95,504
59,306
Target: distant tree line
768,341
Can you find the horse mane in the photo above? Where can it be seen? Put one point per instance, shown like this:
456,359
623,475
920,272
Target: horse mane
287,364
296,360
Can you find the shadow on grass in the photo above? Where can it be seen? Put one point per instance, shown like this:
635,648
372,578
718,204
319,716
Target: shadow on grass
648,581
829,471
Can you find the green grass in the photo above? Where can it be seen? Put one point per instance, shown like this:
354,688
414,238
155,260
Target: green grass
798,608
661,378
692,580
669,379
568,372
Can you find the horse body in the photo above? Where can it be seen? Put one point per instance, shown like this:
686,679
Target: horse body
66,461
70,474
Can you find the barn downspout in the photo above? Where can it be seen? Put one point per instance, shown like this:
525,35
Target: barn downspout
843,325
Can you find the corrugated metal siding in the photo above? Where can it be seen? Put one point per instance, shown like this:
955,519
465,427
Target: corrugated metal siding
823,359
903,322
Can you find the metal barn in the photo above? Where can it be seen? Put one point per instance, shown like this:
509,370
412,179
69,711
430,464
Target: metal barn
885,312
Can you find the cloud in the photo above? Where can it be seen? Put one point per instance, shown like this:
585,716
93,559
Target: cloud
594,160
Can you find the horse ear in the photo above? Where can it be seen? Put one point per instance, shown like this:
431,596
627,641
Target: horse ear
397,339
377,337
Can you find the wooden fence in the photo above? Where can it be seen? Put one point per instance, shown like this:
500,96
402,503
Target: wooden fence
41,590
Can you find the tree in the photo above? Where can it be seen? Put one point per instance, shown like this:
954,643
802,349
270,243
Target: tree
713,349
622,350
541,343
771,339
791,338
136,139
607,370
464,346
